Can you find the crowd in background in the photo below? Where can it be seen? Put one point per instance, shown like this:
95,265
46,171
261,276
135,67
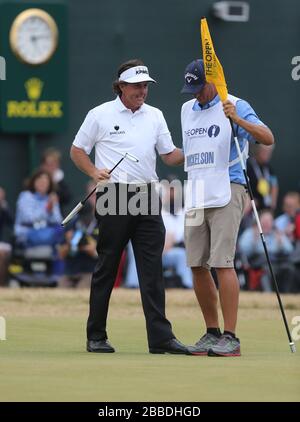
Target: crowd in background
36,235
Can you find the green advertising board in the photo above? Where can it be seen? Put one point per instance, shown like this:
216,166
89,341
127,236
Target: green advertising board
33,41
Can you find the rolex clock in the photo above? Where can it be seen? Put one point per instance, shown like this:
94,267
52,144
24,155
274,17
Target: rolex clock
34,41
33,36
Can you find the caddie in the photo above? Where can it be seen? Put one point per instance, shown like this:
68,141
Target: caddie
211,157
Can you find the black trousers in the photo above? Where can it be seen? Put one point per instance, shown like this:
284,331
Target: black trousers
147,234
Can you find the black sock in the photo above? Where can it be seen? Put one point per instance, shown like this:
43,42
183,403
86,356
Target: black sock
229,333
214,331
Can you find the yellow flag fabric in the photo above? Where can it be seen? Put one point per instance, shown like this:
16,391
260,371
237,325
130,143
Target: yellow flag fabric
213,68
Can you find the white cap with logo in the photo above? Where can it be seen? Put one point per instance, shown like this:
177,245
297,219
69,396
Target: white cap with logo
135,75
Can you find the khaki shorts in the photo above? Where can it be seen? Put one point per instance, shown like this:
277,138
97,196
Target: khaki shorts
213,242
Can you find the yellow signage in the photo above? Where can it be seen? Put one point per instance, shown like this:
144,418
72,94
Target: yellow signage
34,108
34,87
213,68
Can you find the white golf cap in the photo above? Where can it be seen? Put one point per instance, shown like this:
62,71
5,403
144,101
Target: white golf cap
136,74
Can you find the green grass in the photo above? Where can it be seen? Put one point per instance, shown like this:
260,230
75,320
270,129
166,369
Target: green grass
44,358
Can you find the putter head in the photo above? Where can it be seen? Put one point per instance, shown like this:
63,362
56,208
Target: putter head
72,214
131,157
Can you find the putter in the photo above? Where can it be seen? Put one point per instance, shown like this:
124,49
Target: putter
80,204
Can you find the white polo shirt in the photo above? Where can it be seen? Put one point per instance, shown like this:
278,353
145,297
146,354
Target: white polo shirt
114,130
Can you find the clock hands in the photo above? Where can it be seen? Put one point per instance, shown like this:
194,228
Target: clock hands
33,36
37,37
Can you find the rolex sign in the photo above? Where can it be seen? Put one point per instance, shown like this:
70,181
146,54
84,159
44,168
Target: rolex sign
33,97
33,107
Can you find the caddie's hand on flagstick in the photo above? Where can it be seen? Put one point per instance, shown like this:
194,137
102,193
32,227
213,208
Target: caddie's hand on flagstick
101,176
214,74
230,111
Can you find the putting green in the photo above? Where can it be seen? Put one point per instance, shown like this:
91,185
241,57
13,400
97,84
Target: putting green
44,358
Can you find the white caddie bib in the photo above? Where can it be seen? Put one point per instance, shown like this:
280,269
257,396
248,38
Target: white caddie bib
206,142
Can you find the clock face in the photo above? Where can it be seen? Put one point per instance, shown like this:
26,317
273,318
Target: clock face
34,36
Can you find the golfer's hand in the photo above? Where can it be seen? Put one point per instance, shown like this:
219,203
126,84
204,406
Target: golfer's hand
230,111
101,175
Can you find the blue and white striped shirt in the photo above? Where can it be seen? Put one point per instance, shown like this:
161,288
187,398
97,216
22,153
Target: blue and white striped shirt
246,112
32,208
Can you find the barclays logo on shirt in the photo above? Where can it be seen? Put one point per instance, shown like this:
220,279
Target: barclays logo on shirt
117,131
212,131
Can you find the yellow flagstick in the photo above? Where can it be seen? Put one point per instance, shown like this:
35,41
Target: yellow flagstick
214,74
213,69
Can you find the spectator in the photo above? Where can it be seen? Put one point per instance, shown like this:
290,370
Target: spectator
38,214
279,248
79,246
51,162
248,217
174,254
297,226
263,181
289,223
286,221
131,276
296,253
173,196
6,219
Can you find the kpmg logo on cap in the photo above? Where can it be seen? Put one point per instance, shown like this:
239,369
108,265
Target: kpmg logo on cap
189,77
138,71
213,131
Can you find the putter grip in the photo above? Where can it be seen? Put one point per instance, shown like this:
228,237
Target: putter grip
72,213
